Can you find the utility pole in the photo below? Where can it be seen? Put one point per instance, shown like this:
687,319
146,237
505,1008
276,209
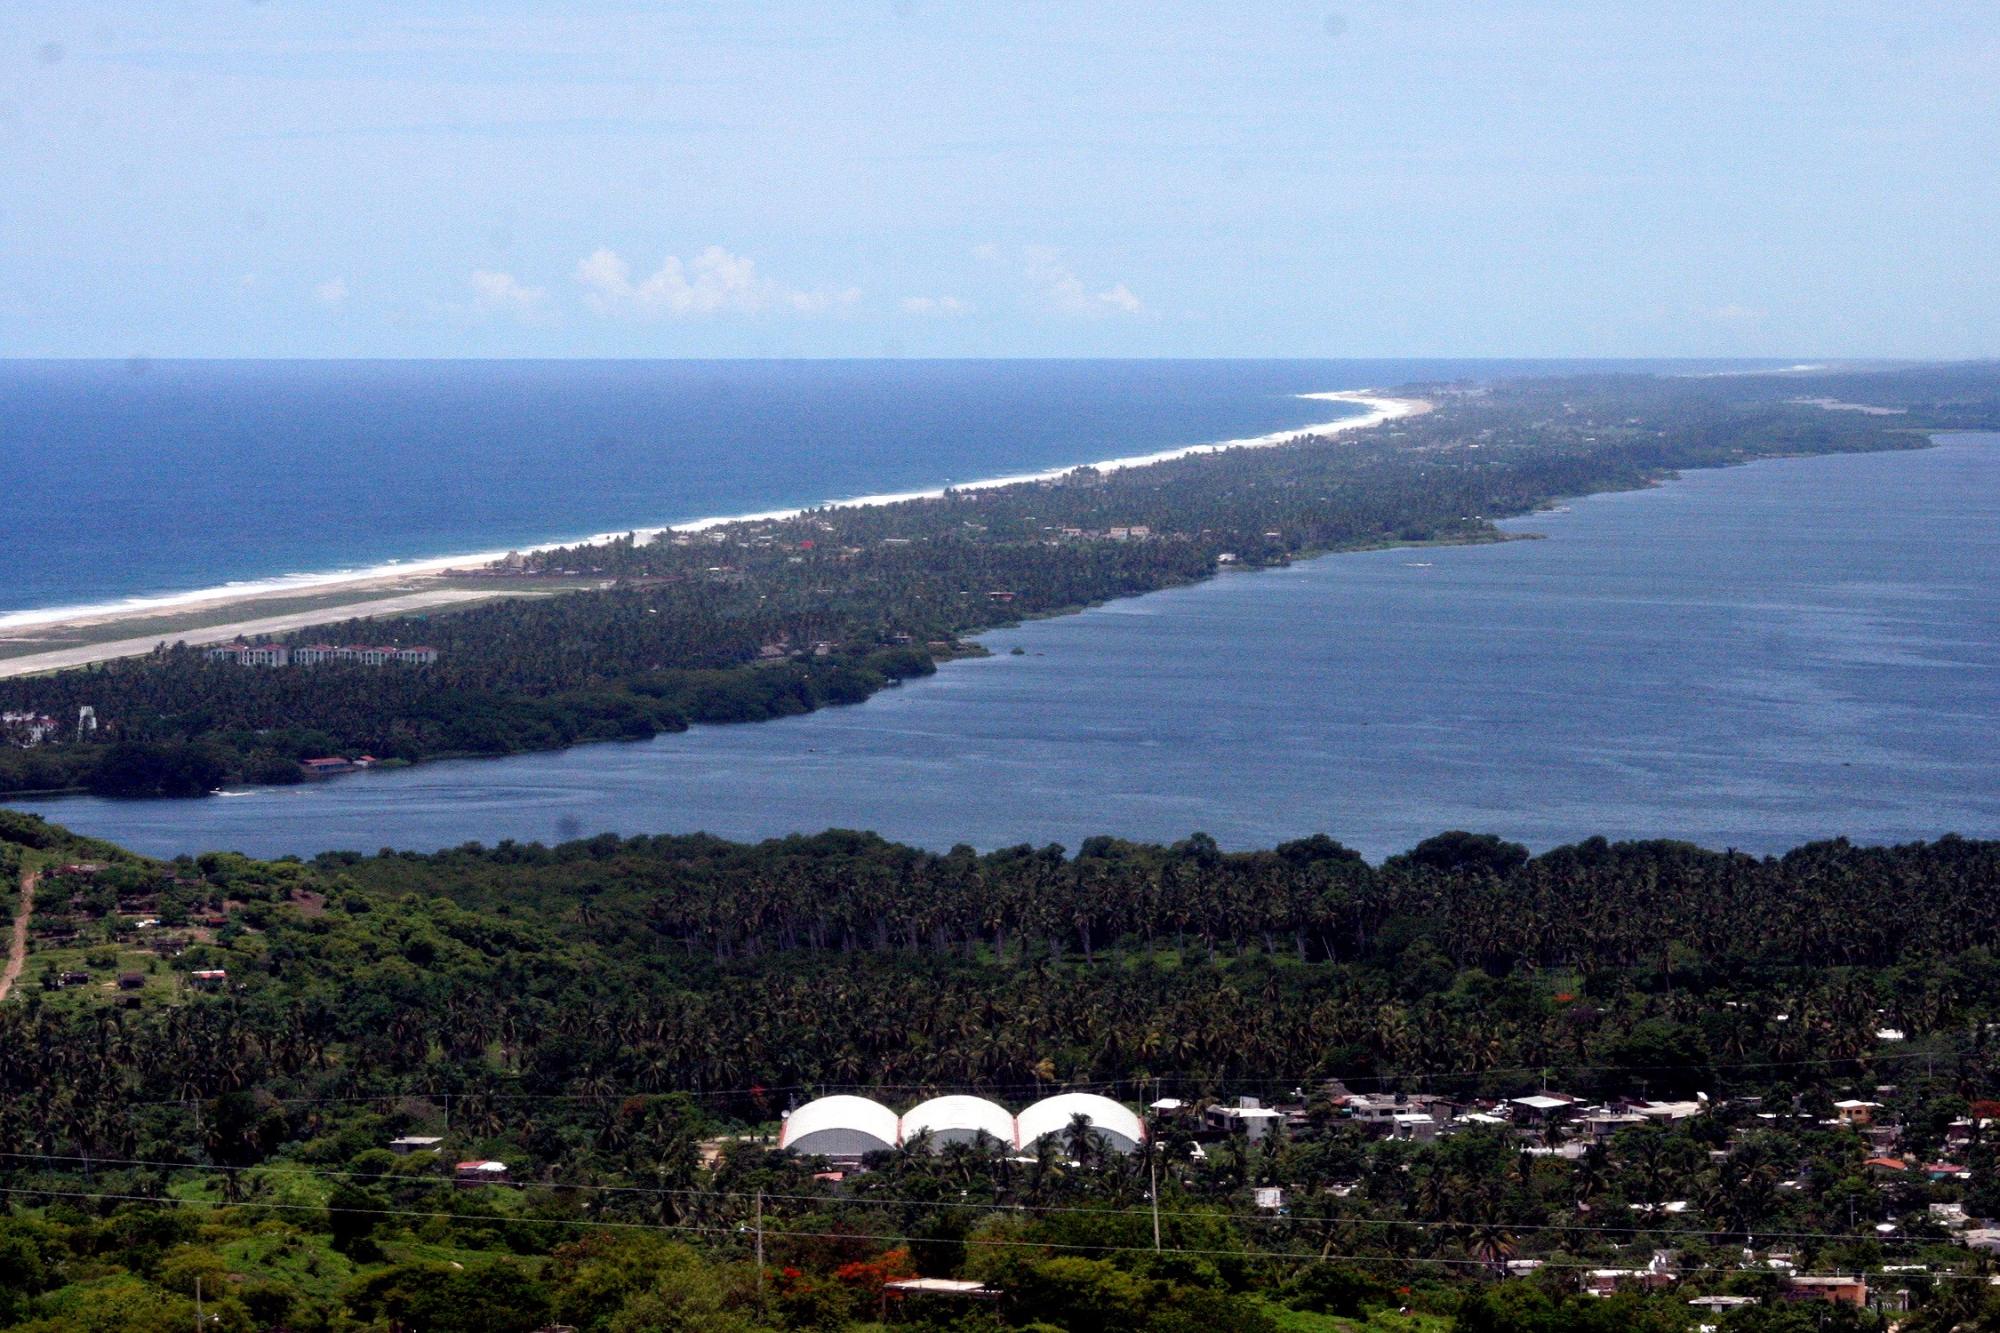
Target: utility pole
760,1246
1153,1166
1153,1170
198,1321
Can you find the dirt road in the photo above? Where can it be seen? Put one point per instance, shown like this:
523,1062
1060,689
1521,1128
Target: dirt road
17,947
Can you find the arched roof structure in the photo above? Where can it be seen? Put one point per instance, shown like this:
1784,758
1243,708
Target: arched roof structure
1113,1123
839,1126
959,1119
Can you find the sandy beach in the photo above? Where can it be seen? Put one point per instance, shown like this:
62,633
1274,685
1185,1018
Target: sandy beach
79,636
84,654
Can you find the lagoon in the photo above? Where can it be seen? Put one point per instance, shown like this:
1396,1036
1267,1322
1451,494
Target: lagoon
1751,657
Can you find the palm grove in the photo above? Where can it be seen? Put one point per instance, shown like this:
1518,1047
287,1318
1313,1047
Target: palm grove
620,1022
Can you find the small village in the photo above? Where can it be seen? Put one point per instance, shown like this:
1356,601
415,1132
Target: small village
846,1137
118,935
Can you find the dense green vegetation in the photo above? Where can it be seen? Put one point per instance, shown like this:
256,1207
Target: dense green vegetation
622,1022
724,627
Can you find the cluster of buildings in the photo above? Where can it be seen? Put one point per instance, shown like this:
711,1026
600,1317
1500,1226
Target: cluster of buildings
312,654
1138,532
1422,1117
1660,1274
74,902
477,1171
27,729
327,766
845,1129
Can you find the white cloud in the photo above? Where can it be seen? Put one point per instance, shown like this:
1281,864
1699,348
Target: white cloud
938,306
494,292
331,292
1737,315
1062,292
714,282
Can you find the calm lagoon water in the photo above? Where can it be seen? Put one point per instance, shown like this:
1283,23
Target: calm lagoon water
1750,657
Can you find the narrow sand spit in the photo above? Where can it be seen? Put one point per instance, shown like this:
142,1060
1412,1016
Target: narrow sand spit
368,586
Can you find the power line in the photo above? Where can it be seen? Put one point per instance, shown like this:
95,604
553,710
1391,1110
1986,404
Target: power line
1182,1079
988,1242
994,1206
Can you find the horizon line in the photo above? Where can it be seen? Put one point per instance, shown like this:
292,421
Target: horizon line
138,359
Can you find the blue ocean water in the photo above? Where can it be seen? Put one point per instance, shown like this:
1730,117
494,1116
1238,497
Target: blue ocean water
124,479
1750,657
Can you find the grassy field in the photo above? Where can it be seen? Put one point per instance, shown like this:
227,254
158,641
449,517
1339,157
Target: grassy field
105,963
1373,1321
277,1242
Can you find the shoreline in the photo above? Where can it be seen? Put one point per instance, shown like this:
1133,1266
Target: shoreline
408,577
1505,536
1501,535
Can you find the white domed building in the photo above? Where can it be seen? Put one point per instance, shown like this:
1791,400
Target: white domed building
848,1128
1114,1124
959,1119
842,1127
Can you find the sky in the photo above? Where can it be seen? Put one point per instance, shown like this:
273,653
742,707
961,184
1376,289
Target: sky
923,178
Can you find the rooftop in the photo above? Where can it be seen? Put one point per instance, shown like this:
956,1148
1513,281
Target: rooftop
1543,1101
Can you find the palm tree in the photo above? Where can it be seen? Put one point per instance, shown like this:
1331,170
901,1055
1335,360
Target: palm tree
1047,1171
1587,1178
1489,1241
1082,1142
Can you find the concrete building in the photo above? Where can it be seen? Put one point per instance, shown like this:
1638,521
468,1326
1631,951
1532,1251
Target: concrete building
481,1173
1835,1290
414,1143
1543,1108
26,729
1249,1117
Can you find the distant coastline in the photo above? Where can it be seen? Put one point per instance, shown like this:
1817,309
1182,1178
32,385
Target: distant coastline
121,629
772,617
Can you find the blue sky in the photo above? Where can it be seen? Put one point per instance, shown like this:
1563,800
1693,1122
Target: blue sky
914,177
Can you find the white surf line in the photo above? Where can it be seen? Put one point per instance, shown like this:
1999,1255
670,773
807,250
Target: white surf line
1380,409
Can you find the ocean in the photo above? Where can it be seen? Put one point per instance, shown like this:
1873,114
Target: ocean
155,479
1749,657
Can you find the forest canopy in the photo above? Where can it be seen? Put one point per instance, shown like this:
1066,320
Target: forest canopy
620,1023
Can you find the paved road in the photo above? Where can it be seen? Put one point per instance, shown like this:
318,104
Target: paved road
84,654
